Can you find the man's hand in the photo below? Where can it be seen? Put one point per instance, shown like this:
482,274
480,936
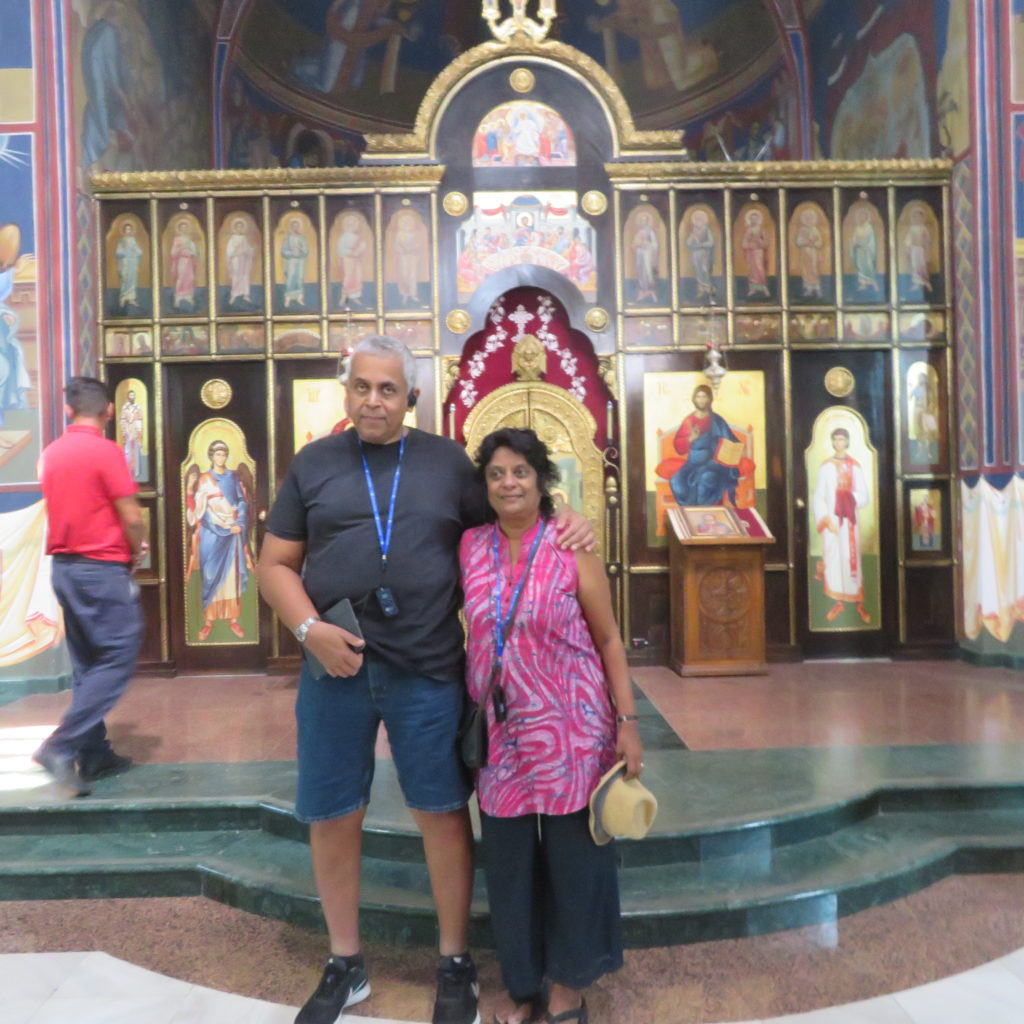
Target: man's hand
334,647
575,531
139,555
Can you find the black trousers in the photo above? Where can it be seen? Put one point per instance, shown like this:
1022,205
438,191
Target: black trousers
554,898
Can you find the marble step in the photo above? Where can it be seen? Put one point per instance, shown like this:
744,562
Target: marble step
809,882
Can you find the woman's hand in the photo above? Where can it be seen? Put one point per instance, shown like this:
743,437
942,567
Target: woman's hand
334,647
629,748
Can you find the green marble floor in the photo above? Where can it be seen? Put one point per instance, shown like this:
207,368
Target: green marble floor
745,842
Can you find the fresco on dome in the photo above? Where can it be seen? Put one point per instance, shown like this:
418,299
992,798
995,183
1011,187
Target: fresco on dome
20,427
257,132
523,134
141,73
763,125
372,61
508,229
889,79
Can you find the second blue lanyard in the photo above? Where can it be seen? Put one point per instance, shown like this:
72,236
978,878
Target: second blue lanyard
500,623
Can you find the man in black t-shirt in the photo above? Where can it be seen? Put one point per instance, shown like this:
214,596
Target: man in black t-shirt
375,514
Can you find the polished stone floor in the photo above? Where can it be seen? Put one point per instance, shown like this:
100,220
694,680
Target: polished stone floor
963,923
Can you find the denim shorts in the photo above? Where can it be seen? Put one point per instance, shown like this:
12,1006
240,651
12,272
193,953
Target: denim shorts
337,732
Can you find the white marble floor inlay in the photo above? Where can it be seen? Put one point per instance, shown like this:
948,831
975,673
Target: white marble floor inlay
94,988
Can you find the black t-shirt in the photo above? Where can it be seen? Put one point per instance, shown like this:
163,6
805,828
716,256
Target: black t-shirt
324,502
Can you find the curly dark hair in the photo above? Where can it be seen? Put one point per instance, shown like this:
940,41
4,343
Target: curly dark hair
533,449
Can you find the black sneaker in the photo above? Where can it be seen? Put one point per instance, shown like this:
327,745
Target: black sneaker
344,983
457,991
108,763
63,771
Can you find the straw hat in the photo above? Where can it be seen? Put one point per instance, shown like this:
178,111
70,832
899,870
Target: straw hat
621,808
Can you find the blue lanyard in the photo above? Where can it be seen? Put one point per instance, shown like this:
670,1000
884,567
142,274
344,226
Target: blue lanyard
501,624
383,536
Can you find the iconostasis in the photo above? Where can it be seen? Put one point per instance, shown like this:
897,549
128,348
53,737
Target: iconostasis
769,336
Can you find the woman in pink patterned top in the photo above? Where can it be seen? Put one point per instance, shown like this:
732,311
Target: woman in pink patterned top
560,715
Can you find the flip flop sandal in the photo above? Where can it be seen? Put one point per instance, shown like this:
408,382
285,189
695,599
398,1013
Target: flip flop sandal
579,1014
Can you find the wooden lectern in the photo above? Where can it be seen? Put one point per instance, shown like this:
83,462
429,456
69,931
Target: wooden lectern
716,590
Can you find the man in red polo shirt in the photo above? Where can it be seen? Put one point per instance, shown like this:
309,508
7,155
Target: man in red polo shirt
96,536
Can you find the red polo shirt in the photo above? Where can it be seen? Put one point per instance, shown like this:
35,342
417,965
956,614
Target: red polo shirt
83,474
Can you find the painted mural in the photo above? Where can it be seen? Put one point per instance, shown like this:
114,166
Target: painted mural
511,228
30,620
763,124
992,521
371,61
20,427
875,78
714,454
141,74
17,105
258,132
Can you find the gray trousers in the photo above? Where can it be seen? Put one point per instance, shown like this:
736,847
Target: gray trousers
104,626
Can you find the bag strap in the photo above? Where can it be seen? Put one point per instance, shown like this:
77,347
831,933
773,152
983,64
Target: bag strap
496,666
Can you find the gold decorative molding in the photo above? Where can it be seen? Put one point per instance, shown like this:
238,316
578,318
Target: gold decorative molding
596,318
839,382
529,358
594,202
519,23
216,393
451,367
455,204
522,80
606,368
874,172
418,144
457,321
267,179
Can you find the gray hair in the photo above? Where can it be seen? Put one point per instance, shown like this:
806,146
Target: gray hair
387,348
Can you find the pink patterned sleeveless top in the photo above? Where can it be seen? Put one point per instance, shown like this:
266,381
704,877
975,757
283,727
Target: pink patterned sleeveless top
559,736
